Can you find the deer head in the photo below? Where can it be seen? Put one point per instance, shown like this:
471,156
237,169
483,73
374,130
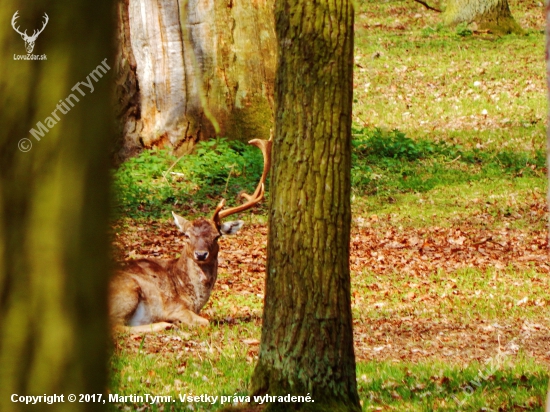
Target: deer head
201,235
29,40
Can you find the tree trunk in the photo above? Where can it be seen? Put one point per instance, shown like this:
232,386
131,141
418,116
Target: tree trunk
54,204
547,57
204,68
307,340
128,111
493,15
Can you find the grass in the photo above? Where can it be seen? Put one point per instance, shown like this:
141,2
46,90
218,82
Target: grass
218,361
464,296
189,364
440,387
449,131
156,182
436,82
432,84
437,386
393,174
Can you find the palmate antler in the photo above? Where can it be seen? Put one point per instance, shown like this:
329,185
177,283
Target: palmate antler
258,195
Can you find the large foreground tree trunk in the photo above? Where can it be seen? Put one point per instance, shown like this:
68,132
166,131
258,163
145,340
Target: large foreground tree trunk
194,69
54,203
493,15
307,340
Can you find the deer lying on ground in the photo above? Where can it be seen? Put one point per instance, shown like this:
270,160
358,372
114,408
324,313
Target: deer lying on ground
150,295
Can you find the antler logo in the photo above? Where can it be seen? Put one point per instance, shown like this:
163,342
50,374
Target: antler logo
29,40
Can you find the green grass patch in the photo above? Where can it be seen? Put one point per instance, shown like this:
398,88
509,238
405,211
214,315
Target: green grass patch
415,75
390,162
465,296
421,181
391,174
498,384
484,202
156,182
184,364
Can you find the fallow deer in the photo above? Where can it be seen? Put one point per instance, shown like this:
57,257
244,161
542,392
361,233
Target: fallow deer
149,295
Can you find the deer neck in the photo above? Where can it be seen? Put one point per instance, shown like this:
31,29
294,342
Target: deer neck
201,278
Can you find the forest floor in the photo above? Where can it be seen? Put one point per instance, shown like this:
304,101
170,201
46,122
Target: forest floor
460,296
451,294
449,255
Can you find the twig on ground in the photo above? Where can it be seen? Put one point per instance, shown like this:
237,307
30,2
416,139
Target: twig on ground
170,168
454,160
428,6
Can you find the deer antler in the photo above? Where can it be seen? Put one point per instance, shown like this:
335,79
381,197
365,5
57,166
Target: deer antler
36,33
13,19
24,34
258,195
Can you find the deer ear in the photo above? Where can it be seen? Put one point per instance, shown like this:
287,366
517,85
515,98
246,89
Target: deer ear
230,228
180,222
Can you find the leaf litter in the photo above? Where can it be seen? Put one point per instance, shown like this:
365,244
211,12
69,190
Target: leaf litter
400,312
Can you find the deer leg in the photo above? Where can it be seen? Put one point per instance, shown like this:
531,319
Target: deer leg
151,328
188,318
124,300
183,317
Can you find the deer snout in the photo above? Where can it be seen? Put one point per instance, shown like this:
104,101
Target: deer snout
201,255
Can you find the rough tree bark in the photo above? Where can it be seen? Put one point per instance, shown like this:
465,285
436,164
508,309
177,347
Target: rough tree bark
128,109
547,57
307,340
493,15
194,69
54,204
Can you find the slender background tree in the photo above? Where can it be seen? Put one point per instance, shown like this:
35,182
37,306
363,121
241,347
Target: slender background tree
54,202
493,15
307,340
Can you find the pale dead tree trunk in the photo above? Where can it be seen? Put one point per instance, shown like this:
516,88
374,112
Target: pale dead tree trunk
307,339
54,204
492,15
194,69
